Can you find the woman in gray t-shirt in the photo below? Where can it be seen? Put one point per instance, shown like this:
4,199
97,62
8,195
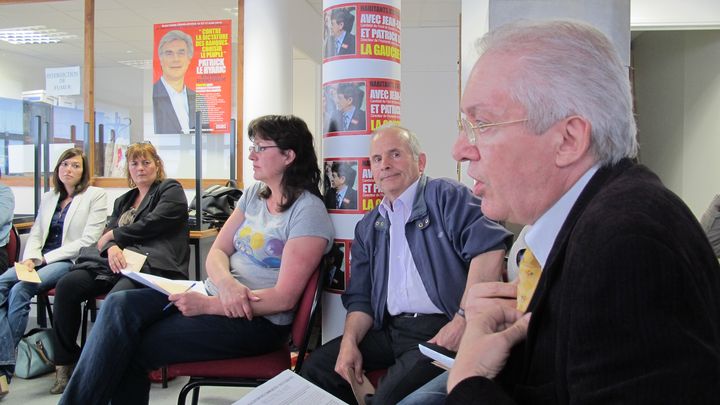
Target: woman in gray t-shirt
258,268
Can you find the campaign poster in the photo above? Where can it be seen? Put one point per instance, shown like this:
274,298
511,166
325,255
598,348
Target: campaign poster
370,194
339,274
363,30
192,71
340,177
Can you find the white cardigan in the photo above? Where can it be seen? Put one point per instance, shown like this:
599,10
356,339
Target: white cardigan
83,226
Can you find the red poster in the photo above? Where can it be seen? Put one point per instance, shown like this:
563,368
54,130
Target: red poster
192,71
362,30
359,106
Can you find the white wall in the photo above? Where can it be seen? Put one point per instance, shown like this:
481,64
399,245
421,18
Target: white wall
430,93
678,99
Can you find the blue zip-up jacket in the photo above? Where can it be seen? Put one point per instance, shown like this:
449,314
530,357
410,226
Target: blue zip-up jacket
445,231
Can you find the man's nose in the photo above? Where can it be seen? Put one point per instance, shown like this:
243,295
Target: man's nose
463,150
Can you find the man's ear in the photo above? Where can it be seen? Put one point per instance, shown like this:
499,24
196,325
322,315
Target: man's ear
575,142
422,161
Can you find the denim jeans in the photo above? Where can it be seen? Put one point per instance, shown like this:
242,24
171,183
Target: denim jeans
133,335
15,299
432,393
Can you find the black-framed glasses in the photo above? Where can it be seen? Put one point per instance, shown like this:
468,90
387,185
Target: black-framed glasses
260,148
470,129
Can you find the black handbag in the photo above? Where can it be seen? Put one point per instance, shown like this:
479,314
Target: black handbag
217,203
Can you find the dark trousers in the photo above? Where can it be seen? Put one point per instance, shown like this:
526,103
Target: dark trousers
71,291
394,347
133,334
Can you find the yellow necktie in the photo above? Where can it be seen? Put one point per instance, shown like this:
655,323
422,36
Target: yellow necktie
529,274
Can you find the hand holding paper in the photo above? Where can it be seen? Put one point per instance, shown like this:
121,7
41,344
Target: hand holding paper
134,261
25,273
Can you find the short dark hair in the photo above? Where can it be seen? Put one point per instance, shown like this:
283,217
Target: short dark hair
344,169
290,133
84,179
342,15
351,90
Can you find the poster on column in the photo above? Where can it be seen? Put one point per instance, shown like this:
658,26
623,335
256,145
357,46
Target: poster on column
192,71
370,193
340,177
362,30
359,106
339,274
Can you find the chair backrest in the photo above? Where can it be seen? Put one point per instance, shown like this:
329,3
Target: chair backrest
306,310
13,247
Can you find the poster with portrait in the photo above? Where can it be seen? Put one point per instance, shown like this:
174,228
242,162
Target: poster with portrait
340,192
339,274
362,30
192,71
359,106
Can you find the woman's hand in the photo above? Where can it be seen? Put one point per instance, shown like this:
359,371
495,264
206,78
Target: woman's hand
30,263
107,237
193,303
235,298
116,260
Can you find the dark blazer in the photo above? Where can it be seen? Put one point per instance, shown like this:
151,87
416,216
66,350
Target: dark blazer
357,121
160,229
627,309
164,117
349,201
348,45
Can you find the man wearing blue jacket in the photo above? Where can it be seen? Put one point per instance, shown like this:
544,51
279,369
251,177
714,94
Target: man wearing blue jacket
412,258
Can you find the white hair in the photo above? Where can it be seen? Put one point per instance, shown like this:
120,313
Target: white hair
570,68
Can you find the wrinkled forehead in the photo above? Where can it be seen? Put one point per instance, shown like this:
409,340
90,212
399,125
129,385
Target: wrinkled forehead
487,91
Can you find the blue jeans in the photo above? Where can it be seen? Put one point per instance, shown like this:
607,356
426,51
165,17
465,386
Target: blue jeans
133,335
15,299
432,393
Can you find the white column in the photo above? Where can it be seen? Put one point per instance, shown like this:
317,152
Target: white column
268,65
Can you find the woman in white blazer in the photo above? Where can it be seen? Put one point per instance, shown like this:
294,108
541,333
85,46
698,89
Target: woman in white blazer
71,216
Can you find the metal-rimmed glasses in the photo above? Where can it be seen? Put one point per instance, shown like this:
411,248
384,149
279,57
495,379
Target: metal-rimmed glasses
260,148
469,128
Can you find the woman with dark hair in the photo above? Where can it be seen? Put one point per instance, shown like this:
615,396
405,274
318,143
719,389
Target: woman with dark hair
150,219
257,269
71,216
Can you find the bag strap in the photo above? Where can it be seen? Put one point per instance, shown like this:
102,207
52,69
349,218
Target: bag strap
39,347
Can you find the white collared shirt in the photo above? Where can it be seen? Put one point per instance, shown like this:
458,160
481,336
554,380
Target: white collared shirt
541,238
180,105
406,292
341,195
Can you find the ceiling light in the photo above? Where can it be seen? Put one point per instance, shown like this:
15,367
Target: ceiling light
37,34
144,64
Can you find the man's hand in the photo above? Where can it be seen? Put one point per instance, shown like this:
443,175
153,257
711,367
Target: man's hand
235,298
487,341
449,335
349,357
484,295
116,260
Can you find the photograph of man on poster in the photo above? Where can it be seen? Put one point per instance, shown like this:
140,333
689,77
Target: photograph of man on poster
349,115
339,39
174,103
342,195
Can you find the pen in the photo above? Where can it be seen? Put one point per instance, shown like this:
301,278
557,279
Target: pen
186,290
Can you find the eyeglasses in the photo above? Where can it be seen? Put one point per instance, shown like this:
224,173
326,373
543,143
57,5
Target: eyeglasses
260,149
469,128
